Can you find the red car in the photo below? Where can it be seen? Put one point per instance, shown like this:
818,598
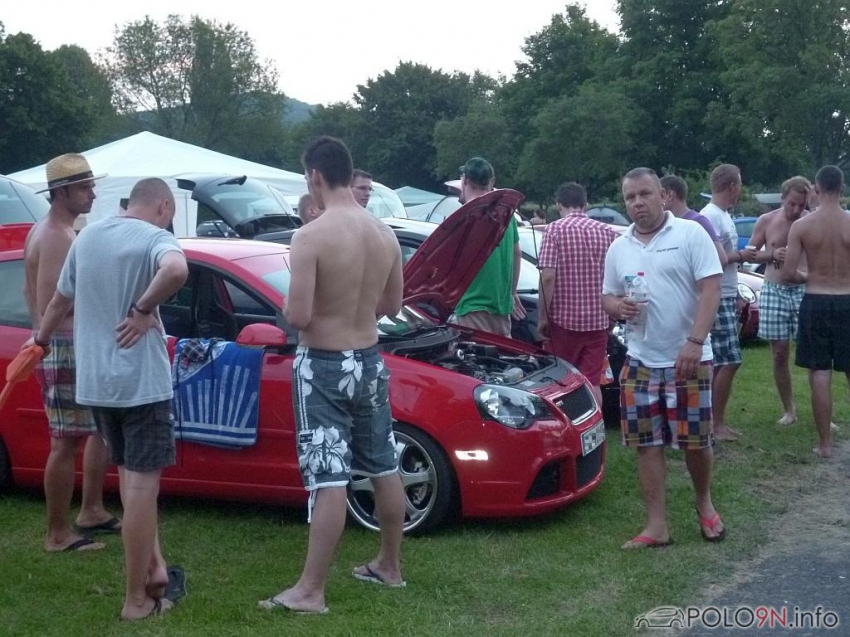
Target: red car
485,426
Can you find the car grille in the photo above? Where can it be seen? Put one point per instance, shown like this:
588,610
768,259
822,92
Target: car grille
547,482
578,405
587,467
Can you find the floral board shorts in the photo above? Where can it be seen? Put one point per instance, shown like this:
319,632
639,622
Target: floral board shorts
659,411
724,334
57,375
342,414
779,310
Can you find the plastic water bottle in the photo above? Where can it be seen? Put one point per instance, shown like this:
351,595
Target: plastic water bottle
638,293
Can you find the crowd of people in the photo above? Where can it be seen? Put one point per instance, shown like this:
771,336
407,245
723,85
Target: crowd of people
106,375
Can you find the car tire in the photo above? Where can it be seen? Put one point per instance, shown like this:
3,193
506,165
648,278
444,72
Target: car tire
430,488
5,467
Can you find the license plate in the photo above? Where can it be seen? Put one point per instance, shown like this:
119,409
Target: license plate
592,438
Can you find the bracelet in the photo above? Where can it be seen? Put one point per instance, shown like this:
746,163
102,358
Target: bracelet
40,343
695,340
136,308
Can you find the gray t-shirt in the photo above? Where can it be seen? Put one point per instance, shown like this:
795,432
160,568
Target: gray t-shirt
728,234
109,267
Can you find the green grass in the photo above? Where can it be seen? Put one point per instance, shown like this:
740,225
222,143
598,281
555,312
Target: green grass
562,574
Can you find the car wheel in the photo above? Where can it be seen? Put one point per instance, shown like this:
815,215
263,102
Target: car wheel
5,467
430,493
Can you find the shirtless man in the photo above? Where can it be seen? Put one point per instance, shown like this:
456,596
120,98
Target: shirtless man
71,184
340,282
822,238
779,303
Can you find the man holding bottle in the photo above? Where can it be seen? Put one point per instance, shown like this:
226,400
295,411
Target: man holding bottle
665,384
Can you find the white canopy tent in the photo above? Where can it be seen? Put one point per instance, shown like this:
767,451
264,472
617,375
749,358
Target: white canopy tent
128,160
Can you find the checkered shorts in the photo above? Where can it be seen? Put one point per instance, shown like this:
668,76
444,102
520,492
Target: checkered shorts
659,411
724,335
57,374
779,310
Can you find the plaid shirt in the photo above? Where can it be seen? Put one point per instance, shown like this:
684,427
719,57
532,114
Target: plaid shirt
575,247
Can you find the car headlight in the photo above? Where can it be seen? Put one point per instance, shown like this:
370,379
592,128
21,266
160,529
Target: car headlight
746,292
510,407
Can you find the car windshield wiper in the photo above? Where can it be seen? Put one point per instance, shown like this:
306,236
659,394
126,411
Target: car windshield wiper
528,291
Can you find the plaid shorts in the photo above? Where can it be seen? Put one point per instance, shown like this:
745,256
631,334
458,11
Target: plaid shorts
724,335
779,310
57,374
659,411
139,438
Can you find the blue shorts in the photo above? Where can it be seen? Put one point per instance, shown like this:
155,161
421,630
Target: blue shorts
342,413
724,335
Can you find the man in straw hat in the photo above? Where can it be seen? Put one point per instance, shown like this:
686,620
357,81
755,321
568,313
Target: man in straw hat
71,185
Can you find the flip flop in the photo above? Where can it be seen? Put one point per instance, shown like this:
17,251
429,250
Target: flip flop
110,526
80,545
273,604
645,542
711,523
176,587
374,577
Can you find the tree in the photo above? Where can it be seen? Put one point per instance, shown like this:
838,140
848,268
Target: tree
789,82
482,132
398,111
588,137
571,50
41,112
195,80
671,65
91,86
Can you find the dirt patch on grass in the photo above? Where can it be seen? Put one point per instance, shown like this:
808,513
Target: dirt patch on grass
815,514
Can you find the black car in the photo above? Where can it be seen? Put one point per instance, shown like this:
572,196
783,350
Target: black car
411,234
237,206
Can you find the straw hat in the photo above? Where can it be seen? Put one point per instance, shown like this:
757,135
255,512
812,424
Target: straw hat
68,169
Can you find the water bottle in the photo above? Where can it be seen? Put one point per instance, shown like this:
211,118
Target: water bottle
638,293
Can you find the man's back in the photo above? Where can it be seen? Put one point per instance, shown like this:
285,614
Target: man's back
825,240
354,256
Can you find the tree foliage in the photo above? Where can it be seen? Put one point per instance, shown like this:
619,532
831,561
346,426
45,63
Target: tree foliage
43,113
195,80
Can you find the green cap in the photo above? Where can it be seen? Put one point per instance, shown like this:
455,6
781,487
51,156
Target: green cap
478,171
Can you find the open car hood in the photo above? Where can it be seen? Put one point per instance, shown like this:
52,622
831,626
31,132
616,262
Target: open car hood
445,264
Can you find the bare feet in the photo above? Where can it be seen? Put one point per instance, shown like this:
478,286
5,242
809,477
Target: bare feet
150,608
725,432
157,581
822,452
296,601
72,543
787,419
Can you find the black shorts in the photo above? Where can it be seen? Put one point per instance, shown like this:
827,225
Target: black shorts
139,438
822,340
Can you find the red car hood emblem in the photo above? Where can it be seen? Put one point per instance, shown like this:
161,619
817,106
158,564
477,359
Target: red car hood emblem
447,261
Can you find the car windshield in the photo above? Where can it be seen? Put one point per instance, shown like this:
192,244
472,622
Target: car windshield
529,278
249,200
19,204
384,202
745,228
529,241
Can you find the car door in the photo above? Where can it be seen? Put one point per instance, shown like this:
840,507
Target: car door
268,469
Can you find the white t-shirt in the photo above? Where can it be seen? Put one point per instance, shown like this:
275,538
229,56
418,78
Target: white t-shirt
109,267
677,257
728,234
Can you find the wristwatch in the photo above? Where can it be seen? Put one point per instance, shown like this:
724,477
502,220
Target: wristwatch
40,343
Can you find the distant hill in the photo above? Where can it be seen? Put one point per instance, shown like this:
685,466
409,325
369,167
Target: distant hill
297,111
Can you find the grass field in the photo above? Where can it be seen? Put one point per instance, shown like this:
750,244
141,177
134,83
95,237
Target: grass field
562,575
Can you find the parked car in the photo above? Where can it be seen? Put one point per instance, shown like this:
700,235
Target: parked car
609,215
237,206
20,203
485,426
744,226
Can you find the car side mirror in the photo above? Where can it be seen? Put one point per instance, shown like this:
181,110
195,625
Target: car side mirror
261,335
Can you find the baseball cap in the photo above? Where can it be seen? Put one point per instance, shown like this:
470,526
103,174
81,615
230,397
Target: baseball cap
478,171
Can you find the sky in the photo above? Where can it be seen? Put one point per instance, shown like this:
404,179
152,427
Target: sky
323,49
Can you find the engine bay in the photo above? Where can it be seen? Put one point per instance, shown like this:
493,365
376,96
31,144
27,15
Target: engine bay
484,362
